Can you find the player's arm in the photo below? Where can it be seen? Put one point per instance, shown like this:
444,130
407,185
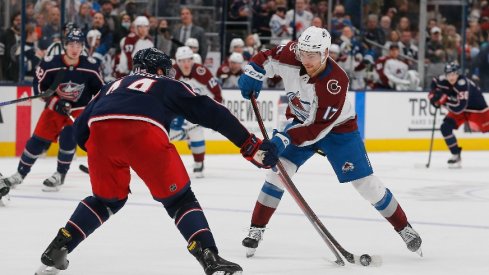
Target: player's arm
436,96
44,78
459,104
213,86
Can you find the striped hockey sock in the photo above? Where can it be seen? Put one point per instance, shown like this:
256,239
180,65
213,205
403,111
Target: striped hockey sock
267,203
392,211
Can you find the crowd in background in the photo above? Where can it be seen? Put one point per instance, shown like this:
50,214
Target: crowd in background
379,52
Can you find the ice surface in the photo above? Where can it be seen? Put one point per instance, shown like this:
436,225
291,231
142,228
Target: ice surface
449,208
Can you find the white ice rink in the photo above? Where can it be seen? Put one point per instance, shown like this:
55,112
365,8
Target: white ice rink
449,208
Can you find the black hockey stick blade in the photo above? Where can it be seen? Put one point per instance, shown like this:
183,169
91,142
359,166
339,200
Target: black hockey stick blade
83,168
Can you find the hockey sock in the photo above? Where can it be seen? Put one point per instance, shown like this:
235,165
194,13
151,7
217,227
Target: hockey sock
67,148
198,150
190,219
447,131
91,213
267,203
391,210
33,149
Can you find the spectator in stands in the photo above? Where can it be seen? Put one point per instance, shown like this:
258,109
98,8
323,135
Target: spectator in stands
30,14
106,40
186,30
153,28
131,8
404,24
481,66
121,31
52,29
397,72
32,54
107,8
239,10
83,18
10,40
131,44
252,46
338,22
322,10
262,13
317,22
408,48
351,50
434,46
279,26
374,34
393,38
163,42
386,25
230,71
193,44
303,17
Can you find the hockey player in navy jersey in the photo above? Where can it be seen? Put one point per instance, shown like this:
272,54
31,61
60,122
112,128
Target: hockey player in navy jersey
464,102
320,118
126,126
79,80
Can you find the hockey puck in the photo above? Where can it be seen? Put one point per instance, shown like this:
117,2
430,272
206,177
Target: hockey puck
365,259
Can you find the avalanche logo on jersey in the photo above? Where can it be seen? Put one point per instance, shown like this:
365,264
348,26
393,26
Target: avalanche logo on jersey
347,167
296,106
333,86
70,91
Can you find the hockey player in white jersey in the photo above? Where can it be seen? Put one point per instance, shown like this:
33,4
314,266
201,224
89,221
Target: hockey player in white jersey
320,118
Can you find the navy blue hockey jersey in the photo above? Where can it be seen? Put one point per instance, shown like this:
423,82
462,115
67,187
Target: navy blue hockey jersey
157,100
463,96
79,84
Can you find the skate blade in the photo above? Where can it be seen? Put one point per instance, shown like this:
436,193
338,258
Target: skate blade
199,175
50,188
5,200
227,273
419,252
455,166
250,252
47,270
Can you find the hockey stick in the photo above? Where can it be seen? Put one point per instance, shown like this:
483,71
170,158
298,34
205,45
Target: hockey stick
432,139
332,243
45,94
183,132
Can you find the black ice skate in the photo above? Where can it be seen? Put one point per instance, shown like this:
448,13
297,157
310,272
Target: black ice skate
199,169
4,189
54,258
412,239
53,183
211,262
13,180
456,160
255,236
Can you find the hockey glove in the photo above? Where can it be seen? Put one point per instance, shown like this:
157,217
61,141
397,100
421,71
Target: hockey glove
62,106
252,80
262,154
437,98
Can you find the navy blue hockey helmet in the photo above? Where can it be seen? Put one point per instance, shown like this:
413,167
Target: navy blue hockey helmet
75,35
68,26
452,67
150,60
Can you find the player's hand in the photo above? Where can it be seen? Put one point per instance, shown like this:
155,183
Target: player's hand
48,93
63,107
176,127
437,98
262,154
251,81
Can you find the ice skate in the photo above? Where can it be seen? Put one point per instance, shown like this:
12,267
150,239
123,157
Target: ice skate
56,253
255,236
12,181
199,169
47,270
455,161
211,262
412,239
4,196
53,183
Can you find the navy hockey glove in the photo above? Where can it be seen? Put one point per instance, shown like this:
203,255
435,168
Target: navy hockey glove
251,80
262,154
437,98
63,107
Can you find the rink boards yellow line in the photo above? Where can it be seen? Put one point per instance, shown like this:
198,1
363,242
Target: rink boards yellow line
7,149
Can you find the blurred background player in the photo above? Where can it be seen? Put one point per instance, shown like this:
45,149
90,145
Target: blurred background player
320,118
464,102
193,44
81,80
131,44
126,126
229,72
203,83
57,48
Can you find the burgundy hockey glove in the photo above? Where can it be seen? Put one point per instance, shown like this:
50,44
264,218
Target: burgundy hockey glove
262,154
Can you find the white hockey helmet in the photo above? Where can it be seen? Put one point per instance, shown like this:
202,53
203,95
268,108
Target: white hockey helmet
236,42
184,53
334,48
141,21
192,42
236,58
314,39
197,58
